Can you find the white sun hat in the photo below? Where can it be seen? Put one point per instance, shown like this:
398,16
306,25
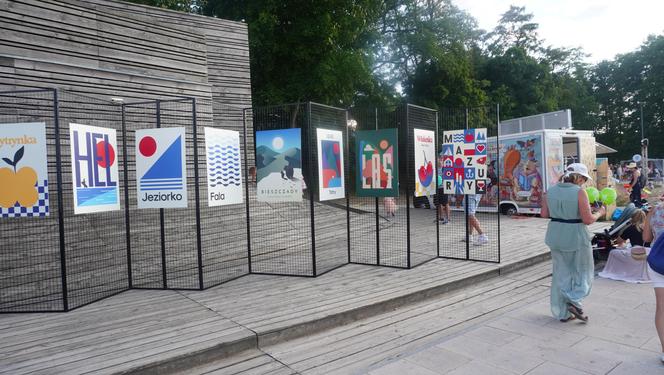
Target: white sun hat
579,169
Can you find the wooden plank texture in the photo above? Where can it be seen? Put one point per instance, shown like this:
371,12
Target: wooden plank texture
97,50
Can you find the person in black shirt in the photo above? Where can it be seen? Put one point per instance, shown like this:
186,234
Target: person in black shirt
634,231
635,184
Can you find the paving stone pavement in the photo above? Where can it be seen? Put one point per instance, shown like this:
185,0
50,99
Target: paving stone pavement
619,339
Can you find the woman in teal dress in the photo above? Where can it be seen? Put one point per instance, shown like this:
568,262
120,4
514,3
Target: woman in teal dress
568,238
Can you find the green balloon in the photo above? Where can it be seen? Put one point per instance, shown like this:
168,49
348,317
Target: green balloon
440,180
593,194
608,195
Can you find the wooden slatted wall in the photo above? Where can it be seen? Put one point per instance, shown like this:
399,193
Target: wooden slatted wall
105,49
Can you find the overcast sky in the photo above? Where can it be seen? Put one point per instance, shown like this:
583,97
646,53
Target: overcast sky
603,28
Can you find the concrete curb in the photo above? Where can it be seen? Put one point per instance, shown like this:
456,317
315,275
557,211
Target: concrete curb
184,362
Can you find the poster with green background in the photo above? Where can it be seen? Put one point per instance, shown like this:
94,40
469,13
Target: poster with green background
378,163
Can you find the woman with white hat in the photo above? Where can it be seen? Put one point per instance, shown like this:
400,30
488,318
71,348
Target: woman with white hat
568,238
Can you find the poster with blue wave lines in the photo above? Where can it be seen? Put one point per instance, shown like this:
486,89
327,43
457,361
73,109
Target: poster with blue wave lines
224,167
161,168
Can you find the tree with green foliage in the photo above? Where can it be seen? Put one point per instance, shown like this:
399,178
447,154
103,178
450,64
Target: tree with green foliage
429,52
307,50
514,30
191,6
527,77
621,86
426,49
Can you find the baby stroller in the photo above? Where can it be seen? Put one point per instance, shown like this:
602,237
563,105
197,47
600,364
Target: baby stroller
603,242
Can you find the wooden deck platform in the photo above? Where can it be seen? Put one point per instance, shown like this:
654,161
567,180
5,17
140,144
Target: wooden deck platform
158,331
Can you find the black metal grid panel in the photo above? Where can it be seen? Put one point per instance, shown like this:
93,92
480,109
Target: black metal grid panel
453,236
223,228
96,251
281,233
455,239
331,216
488,215
182,225
30,261
394,213
164,243
144,225
423,215
363,211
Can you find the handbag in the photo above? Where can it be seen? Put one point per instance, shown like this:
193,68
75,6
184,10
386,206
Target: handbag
656,256
638,253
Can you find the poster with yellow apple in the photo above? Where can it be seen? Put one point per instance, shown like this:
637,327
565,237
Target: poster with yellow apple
23,173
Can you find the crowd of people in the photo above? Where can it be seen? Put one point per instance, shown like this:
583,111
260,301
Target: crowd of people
622,171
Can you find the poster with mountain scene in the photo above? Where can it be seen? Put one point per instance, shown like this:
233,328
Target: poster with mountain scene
279,165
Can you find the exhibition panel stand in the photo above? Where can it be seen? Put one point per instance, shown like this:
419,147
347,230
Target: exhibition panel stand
403,209
33,261
164,191
298,227
105,196
456,239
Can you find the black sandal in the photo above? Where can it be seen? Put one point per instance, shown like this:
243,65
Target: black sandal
577,313
571,317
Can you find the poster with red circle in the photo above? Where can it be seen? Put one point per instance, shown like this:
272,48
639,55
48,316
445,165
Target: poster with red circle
94,160
161,168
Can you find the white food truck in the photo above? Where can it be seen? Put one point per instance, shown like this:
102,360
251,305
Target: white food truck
533,153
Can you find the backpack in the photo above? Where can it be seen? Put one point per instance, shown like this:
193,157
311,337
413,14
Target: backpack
656,256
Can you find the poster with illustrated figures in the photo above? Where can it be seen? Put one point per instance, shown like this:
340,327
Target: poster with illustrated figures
161,168
521,174
23,173
465,161
330,164
224,166
279,165
94,160
425,157
378,160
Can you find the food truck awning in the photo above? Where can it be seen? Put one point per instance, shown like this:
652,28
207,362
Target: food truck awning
603,149
600,149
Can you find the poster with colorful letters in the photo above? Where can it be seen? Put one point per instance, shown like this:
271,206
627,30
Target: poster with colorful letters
465,161
23,173
330,164
378,160
94,161
279,165
425,156
224,166
161,168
